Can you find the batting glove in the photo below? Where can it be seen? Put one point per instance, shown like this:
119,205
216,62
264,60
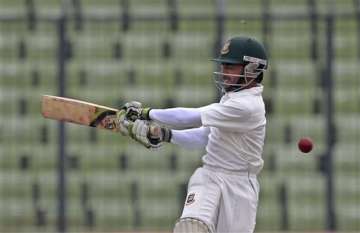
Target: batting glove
121,123
134,111
149,134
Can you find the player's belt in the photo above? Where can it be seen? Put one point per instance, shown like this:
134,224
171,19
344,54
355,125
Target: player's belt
231,172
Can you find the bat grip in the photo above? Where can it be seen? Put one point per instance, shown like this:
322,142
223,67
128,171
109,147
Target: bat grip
155,131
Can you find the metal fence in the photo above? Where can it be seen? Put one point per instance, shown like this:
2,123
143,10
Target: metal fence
58,177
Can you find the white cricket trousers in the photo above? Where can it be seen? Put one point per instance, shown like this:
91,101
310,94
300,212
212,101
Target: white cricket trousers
225,201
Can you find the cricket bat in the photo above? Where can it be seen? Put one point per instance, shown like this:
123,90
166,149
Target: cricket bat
79,112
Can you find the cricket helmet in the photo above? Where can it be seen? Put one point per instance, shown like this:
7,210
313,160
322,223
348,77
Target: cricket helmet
245,51
242,50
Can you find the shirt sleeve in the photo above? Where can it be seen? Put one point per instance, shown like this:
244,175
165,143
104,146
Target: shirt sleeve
196,138
227,117
178,118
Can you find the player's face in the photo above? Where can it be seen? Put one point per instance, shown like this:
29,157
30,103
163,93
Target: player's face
231,73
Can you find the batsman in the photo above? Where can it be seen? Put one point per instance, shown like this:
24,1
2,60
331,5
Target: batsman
223,193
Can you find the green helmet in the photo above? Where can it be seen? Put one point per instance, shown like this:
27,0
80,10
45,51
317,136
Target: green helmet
242,50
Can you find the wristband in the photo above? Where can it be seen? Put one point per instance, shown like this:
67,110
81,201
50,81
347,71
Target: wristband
144,114
166,134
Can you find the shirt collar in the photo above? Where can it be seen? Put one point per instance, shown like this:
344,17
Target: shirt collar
257,90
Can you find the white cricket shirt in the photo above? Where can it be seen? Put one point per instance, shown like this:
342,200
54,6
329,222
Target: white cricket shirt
232,131
237,131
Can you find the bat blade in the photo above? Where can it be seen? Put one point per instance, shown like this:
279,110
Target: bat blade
78,112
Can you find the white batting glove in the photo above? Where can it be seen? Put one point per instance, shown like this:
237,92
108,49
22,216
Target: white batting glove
134,111
149,134
145,133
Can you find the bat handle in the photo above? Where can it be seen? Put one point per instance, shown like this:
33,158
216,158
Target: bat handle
155,131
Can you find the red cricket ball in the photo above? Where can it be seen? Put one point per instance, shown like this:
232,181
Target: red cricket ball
305,144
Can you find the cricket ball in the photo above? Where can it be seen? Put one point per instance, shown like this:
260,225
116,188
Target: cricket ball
305,144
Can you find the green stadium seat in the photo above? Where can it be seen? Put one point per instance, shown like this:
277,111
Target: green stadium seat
115,185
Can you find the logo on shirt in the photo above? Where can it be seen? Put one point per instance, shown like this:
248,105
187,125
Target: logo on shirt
190,199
